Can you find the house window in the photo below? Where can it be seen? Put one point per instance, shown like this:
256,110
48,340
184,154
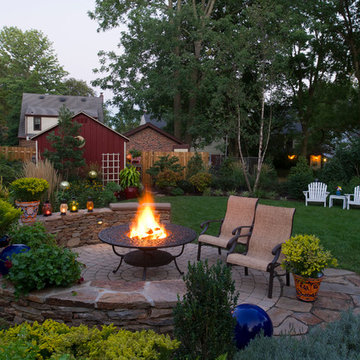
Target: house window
37,123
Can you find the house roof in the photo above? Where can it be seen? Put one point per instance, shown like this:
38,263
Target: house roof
147,118
81,112
49,105
155,128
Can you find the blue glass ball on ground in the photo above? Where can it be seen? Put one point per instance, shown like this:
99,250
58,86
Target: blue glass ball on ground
250,321
7,254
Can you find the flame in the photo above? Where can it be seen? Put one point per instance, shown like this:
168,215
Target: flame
146,227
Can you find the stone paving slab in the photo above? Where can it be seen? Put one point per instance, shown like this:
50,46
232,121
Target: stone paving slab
340,289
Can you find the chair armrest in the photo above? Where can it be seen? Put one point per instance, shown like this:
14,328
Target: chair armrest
276,251
238,229
327,193
207,223
305,193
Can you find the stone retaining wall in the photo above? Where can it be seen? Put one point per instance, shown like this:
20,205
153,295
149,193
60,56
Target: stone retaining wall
133,306
82,228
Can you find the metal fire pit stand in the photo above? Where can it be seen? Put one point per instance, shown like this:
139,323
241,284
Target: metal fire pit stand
147,254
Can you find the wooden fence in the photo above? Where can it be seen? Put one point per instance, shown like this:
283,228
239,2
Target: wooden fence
18,153
149,157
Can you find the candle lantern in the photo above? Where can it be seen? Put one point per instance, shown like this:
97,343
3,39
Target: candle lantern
90,205
74,205
63,207
47,208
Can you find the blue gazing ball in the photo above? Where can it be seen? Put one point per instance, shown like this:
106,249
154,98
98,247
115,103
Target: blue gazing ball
6,255
250,321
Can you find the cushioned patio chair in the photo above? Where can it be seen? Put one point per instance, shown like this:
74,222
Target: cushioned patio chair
316,193
236,225
353,199
272,227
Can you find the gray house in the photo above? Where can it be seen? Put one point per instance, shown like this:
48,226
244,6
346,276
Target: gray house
40,112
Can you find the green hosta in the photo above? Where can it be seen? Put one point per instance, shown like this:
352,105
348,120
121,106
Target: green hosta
305,256
44,266
53,340
28,189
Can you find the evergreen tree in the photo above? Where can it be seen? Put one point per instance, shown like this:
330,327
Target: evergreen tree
66,156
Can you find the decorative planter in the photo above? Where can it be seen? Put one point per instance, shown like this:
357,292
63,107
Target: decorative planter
338,192
4,241
131,192
6,255
307,288
30,210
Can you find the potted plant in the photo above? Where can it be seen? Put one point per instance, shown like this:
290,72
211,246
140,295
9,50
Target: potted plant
27,193
8,215
306,259
130,181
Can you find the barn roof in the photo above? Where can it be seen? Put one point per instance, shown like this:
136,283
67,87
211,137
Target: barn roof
81,112
155,128
49,105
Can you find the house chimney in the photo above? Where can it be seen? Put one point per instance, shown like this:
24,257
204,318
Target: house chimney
102,97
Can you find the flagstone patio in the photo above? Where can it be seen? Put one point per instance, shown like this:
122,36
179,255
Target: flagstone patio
340,290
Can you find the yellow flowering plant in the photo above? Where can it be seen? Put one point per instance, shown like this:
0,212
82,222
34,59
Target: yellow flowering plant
28,189
305,256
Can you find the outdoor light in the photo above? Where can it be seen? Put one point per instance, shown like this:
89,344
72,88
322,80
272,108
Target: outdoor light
74,205
90,205
129,157
46,209
64,185
63,207
100,222
291,157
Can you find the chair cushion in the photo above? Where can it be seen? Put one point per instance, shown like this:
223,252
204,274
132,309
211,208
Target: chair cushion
247,261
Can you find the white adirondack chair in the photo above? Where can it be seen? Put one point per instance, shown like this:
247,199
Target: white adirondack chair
316,193
355,197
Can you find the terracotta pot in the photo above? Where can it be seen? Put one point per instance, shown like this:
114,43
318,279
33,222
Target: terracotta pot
131,192
307,288
30,210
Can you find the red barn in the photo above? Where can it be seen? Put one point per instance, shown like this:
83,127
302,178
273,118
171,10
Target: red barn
103,145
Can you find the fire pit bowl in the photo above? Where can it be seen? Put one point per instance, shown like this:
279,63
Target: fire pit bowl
146,252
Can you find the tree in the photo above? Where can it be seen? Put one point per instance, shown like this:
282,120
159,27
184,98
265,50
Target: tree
67,157
75,87
27,64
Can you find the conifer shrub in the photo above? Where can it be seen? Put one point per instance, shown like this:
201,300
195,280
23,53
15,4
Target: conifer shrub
300,176
203,320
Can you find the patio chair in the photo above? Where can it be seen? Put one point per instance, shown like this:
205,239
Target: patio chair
272,227
316,193
353,199
236,225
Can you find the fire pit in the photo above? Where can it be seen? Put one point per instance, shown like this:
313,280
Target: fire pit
147,253
147,235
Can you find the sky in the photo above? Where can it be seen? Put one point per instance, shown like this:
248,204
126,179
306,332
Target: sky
67,25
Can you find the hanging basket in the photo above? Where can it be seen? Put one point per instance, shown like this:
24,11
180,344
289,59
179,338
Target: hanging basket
30,210
307,288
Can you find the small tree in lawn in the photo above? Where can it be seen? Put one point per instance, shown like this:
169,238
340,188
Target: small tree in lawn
66,156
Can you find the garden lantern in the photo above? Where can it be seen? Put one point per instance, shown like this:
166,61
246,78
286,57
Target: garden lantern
90,205
63,207
47,208
74,205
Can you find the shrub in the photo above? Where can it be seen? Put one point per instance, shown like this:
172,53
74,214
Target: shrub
4,192
194,166
9,170
28,189
33,236
338,341
165,163
177,191
43,266
186,186
203,320
58,341
129,177
8,215
166,178
299,178
201,181
268,178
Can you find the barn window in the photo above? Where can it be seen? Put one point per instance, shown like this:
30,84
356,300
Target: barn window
37,123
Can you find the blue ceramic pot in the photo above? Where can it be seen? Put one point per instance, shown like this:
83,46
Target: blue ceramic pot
7,254
250,321
4,241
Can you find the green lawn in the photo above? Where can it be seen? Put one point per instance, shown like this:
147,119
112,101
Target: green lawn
339,230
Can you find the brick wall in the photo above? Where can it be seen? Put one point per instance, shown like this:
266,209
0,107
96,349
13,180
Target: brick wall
150,140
